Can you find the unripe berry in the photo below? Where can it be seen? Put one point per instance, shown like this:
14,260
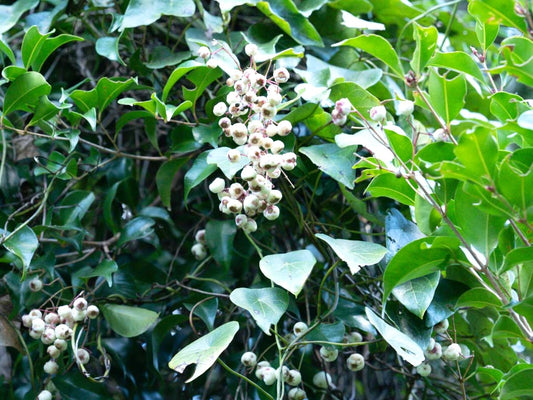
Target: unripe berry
338,118
48,336
285,127
224,123
204,52
44,395
343,106
260,80
250,226
268,111
452,352
200,236
322,380
271,213
212,63
277,146
78,315
220,109
36,285
35,335
294,377
235,74
440,135
234,206
356,362
239,130
272,130
83,356
354,337
80,304
281,75
198,251
248,173
50,367
255,126
27,321
441,327
249,359
38,325
34,314
51,318
299,328
250,49
53,351
93,312
378,113
423,369
405,107
260,369
274,196
274,98
217,185
434,353
60,344
234,155
269,375
63,332
297,394
328,355
240,220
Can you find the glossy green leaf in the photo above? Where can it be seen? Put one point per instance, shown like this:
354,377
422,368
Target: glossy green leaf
379,47
334,161
162,57
23,244
219,236
516,257
266,306
107,47
478,152
105,269
417,294
204,351
206,311
128,321
447,95
517,54
144,12
444,300
286,15
4,48
518,386
162,330
486,33
355,253
478,298
219,157
9,15
457,61
45,110
360,98
102,95
75,206
24,93
164,179
201,78
388,185
497,12
267,50
525,120
198,172
176,75
288,270
426,43
327,333
418,258
403,344
505,106
137,228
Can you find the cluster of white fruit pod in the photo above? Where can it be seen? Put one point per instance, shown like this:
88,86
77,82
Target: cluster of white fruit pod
247,117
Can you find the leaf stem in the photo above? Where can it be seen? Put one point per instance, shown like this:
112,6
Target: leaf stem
231,371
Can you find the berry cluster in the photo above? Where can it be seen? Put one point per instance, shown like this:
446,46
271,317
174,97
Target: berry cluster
247,118
55,329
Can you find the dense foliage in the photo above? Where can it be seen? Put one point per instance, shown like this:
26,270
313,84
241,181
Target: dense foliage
322,199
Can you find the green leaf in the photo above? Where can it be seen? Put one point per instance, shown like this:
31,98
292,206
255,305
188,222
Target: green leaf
206,311
4,48
334,161
267,50
478,152
9,15
327,333
162,57
379,48
165,177
36,48
288,270
478,298
426,43
518,386
444,300
497,12
128,321
198,172
201,78
204,351
266,306
219,236
45,110
25,91
108,47
505,106
12,72
388,185
137,228
102,95
355,253
360,98
74,206
516,257
447,95
144,12
416,295
286,15
22,244
403,344
457,61
519,63
105,269
179,72
162,329
418,258
525,120
219,157
486,33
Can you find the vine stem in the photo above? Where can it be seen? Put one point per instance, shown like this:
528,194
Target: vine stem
232,371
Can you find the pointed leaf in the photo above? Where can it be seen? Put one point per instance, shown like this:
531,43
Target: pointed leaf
108,47
137,228
144,12
355,253
266,306
23,244
128,321
497,12
416,295
198,172
165,177
426,43
457,61
288,270
204,351
25,91
219,236
447,95
335,161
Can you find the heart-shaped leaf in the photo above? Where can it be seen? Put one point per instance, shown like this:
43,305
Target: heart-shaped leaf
128,321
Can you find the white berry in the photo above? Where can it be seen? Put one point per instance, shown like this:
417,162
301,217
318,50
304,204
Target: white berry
423,369
356,362
249,359
322,380
328,355
51,367
44,395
